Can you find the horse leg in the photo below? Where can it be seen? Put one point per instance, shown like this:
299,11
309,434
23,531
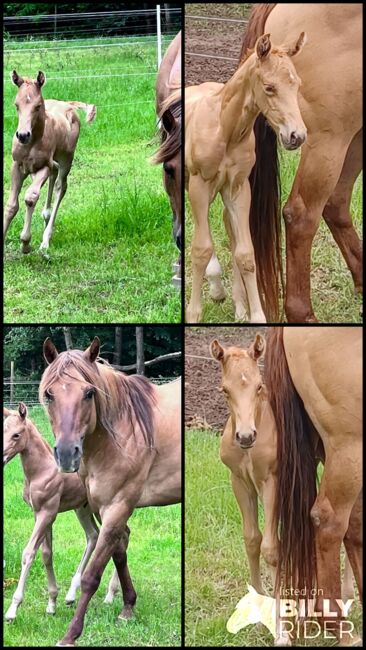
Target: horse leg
31,198
47,561
112,532
43,520
46,212
214,278
353,544
339,489
12,206
337,212
238,210
202,247
86,519
113,587
128,591
248,503
240,298
320,167
347,585
60,191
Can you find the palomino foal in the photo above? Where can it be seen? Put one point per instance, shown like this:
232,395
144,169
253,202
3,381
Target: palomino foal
47,492
43,146
220,154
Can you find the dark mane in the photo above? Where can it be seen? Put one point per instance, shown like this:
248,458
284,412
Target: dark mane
117,395
170,142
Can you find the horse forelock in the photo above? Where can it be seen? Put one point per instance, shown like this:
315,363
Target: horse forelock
117,395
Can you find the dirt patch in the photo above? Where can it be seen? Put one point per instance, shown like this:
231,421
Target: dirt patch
205,406
213,38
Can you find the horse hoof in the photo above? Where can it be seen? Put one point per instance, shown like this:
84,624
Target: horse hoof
65,645
26,249
126,613
69,603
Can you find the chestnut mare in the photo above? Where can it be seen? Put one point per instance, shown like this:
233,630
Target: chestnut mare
219,156
169,110
43,146
123,435
314,381
249,449
331,158
47,492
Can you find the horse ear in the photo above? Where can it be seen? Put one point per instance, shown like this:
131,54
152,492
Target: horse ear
6,412
217,351
18,81
22,410
49,351
257,348
292,50
41,79
263,47
92,352
168,120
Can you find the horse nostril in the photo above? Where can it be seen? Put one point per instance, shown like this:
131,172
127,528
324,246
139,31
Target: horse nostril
55,453
254,435
76,451
293,138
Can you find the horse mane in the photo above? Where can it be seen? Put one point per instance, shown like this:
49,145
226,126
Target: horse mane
296,471
117,395
170,142
264,179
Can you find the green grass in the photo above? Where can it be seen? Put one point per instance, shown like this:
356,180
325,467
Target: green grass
332,295
154,557
112,251
217,571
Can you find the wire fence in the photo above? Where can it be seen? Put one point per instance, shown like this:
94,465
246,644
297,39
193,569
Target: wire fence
214,19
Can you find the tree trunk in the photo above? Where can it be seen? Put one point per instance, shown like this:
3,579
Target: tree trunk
68,339
117,354
140,358
168,16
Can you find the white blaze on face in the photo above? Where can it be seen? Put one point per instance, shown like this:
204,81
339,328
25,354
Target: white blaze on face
244,378
64,386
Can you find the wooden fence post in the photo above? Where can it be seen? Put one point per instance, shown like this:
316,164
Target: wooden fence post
140,357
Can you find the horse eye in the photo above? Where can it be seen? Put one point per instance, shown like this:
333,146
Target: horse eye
89,394
48,396
169,169
15,436
270,89
259,389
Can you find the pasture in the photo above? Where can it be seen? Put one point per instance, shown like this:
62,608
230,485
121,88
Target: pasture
112,251
154,558
217,569
333,296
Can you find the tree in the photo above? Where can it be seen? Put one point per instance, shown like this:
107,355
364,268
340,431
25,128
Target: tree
140,356
68,338
117,355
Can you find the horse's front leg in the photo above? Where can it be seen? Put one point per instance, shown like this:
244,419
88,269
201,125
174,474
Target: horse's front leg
114,521
12,206
31,198
238,210
202,247
46,212
128,591
48,563
60,191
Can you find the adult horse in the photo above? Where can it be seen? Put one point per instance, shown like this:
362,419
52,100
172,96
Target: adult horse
219,156
314,381
43,147
169,111
122,434
331,159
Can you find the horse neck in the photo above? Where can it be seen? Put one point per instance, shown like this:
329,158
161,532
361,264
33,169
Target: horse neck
238,108
36,455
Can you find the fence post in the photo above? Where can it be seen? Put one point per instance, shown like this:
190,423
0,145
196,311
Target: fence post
140,357
11,383
158,33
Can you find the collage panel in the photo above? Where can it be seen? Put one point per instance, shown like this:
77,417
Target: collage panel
257,247
273,478
92,167
92,424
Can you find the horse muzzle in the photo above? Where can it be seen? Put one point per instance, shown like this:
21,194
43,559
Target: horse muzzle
293,140
24,137
68,457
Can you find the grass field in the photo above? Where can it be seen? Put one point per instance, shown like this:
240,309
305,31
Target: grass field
112,251
333,295
216,572
154,558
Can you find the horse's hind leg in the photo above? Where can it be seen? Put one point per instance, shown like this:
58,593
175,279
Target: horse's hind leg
87,522
214,278
353,544
46,212
113,587
128,591
12,206
47,561
60,191
31,198
317,175
239,292
337,211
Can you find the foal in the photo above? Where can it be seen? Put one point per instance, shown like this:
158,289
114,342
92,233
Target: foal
47,492
43,146
219,156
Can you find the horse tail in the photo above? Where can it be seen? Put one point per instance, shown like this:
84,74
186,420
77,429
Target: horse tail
264,216
90,110
296,478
